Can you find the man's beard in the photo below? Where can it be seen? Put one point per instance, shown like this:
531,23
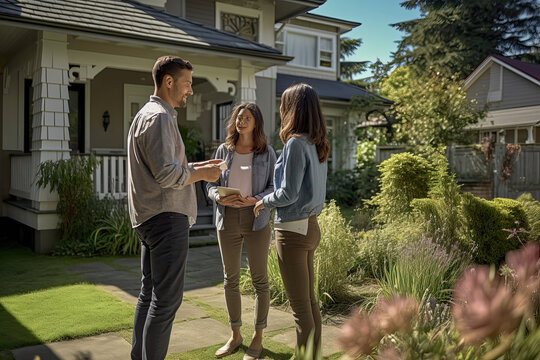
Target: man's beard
182,103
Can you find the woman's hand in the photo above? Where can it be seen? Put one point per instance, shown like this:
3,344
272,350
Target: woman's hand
231,200
258,207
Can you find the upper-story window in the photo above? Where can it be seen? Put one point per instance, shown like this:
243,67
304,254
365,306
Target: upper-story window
310,49
241,21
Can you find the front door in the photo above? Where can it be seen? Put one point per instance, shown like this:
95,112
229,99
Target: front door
135,96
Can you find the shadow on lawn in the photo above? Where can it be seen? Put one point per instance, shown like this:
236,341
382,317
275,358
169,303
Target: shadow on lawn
23,271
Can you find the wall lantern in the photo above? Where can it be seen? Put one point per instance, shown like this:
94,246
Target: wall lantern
106,120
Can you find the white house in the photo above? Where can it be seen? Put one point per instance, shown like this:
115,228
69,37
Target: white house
74,74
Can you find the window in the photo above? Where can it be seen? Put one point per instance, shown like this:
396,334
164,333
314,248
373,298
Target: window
245,26
222,113
309,50
239,20
28,114
76,118
303,48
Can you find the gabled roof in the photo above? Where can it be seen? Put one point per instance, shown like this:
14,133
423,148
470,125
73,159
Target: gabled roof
343,25
327,89
529,71
127,19
286,9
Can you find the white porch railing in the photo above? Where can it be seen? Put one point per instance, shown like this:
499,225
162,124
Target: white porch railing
21,176
110,176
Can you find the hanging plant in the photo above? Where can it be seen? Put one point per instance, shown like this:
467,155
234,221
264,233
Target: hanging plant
510,157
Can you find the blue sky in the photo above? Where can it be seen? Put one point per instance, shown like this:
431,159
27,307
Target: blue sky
375,15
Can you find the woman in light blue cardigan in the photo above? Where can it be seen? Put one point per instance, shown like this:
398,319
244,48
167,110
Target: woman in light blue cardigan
299,195
250,167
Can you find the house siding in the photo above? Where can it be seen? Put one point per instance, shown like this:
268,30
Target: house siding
202,11
266,90
516,92
107,93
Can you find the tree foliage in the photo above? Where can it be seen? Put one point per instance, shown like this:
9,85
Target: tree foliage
454,36
350,68
431,110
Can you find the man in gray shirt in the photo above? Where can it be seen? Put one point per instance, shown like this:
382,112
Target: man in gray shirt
162,204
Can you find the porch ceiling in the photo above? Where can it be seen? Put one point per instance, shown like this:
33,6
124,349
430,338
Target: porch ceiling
129,21
12,40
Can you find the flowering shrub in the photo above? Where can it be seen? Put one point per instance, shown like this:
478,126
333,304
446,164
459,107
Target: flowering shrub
490,317
423,266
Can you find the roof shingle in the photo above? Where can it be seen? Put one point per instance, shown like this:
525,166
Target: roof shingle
129,19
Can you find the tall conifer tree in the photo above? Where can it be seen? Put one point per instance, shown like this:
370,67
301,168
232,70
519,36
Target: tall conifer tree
454,36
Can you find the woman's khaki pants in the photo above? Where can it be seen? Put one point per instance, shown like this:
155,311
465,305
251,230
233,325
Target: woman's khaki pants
295,254
238,223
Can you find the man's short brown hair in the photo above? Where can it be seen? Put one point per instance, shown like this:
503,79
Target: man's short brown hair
169,65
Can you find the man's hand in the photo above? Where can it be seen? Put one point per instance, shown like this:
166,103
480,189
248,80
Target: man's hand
209,172
258,207
207,162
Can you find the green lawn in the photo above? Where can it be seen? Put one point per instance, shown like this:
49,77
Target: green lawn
41,301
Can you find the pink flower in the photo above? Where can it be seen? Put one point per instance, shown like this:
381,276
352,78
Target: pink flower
359,334
525,264
396,314
484,307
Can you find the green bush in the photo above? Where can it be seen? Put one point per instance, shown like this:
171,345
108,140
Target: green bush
114,234
335,255
350,187
404,177
486,221
334,258
532,211
72,179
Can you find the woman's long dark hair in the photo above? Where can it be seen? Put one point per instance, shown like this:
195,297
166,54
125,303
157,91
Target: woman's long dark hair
259,139
301,113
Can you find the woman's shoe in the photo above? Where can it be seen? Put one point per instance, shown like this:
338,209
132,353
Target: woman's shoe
228,349
252,354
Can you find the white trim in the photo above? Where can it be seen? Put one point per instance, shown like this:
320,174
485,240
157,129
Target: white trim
239,10
343,28
484,66
87,115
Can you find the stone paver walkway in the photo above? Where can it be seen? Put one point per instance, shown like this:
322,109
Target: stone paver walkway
193,328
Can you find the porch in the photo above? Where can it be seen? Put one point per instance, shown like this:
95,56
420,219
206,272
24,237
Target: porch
110,180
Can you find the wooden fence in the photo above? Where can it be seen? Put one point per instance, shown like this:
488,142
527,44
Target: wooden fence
469,164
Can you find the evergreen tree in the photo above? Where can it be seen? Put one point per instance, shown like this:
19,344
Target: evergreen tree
350,68
454,36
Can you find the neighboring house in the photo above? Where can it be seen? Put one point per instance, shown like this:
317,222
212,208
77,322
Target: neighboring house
313,41
75,73
511,90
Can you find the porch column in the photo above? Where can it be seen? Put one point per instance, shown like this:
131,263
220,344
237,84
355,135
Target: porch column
247,83
50,121
530,137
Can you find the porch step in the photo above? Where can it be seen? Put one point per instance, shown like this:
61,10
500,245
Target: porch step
198,226
202,240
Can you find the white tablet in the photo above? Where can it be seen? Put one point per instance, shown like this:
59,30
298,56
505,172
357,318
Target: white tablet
226,191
